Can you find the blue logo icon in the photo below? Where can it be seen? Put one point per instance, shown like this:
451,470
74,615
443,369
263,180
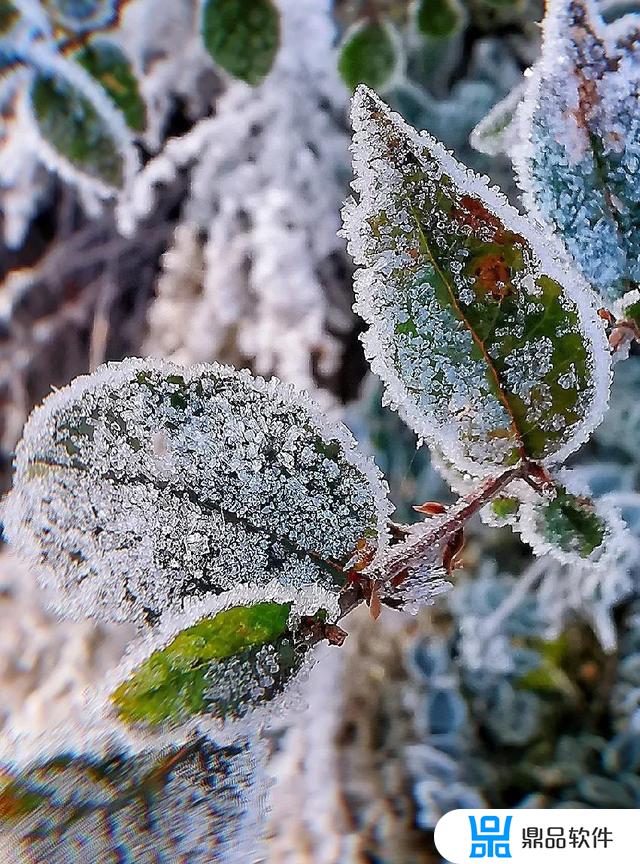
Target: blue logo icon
490,840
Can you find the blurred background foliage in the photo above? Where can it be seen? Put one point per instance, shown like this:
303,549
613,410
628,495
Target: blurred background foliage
170,182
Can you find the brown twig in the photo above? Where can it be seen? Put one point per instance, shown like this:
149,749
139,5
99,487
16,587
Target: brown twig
438,529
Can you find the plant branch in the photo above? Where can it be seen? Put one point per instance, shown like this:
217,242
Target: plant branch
439,528
418,541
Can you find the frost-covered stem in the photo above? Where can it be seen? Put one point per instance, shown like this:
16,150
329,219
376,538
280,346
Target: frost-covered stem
420,540
438,529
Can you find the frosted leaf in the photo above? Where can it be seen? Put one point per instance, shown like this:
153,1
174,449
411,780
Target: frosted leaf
489,348
82,134
183,804
242,36
105,62
70,123
498,131
569,525
580,125
146,483
627,308
222,660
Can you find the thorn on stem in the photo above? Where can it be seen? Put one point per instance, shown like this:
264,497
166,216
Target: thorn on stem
622,333
430,508
538,477
375,607
606,316
334,635
452,550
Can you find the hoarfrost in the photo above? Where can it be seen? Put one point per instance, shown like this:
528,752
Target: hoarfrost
477,379
267,182
615,542
580,132
146,483
105,800
243,691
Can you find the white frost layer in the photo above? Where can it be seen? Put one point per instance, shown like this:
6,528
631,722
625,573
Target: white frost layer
112,528
267,181
304,602
547,259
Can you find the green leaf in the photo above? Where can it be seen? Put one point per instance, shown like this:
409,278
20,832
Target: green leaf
219,667
242,36
581,118
105,62
489,349
505,507
147,483
8,16
368,55
107,803
439,18
71,124
571,523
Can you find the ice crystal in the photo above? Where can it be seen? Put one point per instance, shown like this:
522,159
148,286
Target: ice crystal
472,320
580,129
146,483
223,660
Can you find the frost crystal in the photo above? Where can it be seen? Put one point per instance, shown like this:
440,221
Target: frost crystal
580,128
218,665
145,483
472,320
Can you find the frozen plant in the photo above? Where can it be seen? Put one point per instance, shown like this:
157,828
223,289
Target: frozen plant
107,799
83,83
236,525
257,274
572,131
